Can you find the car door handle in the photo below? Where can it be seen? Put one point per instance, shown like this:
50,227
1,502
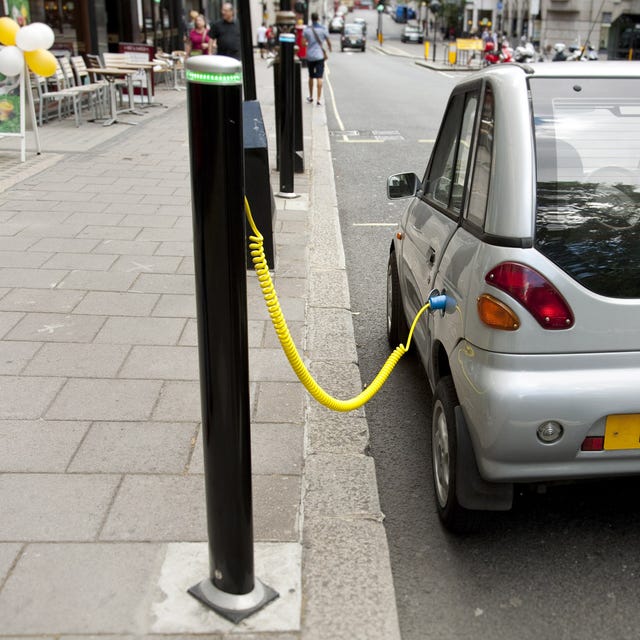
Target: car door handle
431,255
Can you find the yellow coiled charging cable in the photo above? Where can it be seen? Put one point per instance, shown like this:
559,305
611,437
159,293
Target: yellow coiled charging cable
280,325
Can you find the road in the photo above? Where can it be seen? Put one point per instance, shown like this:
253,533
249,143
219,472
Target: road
565,563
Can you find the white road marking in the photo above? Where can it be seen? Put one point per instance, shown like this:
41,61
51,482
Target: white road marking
374,224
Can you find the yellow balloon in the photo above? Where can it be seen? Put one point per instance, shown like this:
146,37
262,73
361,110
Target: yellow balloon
41,61
8,30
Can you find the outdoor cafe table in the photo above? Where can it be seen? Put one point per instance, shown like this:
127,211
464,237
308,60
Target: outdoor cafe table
111,74
147,67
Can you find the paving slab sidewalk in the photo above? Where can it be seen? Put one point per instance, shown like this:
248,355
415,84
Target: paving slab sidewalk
102,516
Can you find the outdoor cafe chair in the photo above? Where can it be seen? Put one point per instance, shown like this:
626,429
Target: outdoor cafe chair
54,88
93,92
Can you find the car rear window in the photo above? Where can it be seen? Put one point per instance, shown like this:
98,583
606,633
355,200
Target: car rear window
587,140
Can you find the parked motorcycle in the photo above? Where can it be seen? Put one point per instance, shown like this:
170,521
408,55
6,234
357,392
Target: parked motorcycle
491,56
574,52
524,52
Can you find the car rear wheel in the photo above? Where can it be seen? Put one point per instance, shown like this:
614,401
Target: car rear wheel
397,330
444,451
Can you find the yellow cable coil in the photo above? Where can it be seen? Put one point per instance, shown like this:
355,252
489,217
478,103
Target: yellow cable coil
282,330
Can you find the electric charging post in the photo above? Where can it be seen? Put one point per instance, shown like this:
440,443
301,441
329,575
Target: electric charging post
287,116
214,94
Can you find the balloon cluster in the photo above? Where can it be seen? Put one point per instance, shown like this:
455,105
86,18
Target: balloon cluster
28,43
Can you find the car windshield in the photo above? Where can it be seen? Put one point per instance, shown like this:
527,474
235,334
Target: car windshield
587,137
353,29
412,28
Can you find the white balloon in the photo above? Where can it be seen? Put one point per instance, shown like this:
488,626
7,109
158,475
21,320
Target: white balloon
35,36
11,61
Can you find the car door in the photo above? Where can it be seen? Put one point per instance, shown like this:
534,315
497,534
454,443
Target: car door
434,217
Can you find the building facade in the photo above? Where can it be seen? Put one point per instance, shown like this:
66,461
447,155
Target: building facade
94,26
610,26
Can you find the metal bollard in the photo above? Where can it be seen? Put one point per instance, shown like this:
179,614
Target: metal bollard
214,93
287,116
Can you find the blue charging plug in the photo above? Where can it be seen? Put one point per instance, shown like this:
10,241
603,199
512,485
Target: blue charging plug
443,303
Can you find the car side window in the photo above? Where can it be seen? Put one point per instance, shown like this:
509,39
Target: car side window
440,178
464,148
477,208
446,181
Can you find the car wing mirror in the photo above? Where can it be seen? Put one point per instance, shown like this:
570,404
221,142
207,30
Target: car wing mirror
403,185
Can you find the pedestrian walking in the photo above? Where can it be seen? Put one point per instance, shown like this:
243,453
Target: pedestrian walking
315,35
225,34
197,42
262,39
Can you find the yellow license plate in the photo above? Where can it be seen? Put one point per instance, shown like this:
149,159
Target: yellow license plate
622,432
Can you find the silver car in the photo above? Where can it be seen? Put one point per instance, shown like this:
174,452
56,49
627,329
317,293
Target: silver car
527,219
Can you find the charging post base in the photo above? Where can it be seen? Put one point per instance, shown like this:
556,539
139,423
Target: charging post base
231,606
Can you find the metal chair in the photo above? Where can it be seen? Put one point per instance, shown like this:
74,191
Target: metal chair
93,92
54,88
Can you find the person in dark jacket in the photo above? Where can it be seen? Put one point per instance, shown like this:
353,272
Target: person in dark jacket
225,34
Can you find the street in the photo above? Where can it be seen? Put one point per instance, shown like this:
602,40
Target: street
563,563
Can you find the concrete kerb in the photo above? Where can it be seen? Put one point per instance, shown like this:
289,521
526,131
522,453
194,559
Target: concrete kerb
347,579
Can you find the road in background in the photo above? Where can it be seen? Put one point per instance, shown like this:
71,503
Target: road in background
564,563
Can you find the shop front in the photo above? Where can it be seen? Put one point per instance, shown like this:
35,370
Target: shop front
94,26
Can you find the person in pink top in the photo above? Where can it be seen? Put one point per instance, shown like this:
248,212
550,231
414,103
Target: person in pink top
197,41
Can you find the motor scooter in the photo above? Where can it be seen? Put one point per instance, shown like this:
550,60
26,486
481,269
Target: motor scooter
491,56
524,52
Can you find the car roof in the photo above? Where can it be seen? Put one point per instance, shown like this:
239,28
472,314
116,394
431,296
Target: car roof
591,68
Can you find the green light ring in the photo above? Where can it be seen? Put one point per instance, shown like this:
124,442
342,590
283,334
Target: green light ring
208,77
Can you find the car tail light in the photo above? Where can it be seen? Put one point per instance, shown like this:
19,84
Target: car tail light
593,443
497,314
534,292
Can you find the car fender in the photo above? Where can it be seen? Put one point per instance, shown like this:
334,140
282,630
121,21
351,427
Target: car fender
471,490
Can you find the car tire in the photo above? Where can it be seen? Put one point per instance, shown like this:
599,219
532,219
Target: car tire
397,330
444,450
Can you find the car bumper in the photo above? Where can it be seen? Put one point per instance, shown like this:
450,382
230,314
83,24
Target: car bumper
505,398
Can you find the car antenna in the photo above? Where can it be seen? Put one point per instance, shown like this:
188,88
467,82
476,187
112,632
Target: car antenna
593,24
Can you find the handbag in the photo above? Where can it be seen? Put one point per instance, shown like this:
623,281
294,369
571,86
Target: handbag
315,35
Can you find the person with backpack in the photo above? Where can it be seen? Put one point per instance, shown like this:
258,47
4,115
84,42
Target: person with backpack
315,35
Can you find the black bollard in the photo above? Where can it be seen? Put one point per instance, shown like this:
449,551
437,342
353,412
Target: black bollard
287,116
214,93
298,142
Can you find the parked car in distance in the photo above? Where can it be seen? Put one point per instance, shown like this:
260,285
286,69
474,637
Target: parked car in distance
336,25
363,23
352,37
412,33
527,218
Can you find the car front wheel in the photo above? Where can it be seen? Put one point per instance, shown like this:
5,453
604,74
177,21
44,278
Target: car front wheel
397,331
444,452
